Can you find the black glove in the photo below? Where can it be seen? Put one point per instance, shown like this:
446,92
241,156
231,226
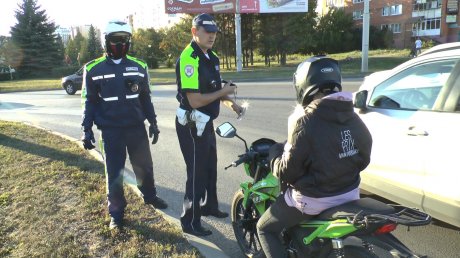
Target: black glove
88,139
155,132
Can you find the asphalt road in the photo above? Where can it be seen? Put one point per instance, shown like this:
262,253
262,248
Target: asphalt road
270,105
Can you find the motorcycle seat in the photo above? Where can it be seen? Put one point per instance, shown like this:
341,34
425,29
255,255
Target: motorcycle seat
364,205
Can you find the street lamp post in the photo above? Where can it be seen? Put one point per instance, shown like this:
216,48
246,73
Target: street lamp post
365,43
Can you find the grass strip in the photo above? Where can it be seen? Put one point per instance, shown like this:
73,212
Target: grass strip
53,204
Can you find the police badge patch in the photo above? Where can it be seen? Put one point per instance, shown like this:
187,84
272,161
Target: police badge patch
189,70
134,87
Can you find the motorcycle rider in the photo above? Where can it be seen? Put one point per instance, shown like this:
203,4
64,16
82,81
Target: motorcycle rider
327,147
116,97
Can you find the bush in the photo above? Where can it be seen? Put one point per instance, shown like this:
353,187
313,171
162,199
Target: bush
64,70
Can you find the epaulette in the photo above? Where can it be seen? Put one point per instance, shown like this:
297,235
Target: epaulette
94,62
137,60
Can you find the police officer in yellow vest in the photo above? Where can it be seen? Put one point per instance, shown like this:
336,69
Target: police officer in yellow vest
199,92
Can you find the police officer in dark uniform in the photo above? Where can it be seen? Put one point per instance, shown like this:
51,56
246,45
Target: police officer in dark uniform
116,98
200,92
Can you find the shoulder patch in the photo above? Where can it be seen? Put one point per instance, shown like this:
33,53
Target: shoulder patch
189,70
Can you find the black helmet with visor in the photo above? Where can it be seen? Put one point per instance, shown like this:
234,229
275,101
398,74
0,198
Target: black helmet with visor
316,74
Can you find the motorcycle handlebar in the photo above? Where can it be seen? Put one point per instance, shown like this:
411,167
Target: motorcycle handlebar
243,158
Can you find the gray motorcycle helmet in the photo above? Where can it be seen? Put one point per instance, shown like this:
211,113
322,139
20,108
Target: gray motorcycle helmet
316,74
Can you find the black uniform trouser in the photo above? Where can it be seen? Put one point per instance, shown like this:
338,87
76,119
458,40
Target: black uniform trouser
200,157
116,141
278,217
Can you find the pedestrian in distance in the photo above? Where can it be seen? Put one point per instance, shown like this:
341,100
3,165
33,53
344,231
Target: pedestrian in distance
327,147
200,92
418,46
116,98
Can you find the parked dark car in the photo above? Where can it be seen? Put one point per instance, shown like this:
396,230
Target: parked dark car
7,73
73,82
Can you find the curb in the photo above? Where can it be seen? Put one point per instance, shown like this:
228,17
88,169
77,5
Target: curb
206,248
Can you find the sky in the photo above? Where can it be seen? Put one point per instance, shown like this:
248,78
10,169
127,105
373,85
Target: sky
66,13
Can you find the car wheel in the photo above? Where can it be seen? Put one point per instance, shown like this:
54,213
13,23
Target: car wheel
69,87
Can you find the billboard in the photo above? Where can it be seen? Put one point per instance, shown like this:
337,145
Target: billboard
200,6
229,6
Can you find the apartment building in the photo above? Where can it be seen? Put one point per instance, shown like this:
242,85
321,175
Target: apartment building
408,19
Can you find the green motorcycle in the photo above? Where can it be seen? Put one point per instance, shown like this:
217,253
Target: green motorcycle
350,230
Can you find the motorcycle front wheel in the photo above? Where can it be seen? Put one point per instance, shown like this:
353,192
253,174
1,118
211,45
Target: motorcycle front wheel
244,223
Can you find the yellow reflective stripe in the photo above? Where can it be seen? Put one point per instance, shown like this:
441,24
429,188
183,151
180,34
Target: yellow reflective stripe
94,62
138,61
189,69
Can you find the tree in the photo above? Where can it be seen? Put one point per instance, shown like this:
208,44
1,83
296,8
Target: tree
93,48
147,46
266,27
74,48
334,28
176,38
35,36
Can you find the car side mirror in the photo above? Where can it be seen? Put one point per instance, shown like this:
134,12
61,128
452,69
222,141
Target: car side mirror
360,99
226,130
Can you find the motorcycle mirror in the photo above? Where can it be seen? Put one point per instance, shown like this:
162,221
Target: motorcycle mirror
226,130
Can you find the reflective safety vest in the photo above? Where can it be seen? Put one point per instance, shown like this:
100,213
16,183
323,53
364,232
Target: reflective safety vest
196,72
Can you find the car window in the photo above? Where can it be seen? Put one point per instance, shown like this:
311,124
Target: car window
80,71
415,88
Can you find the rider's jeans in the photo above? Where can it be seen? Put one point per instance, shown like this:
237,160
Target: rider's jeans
278,217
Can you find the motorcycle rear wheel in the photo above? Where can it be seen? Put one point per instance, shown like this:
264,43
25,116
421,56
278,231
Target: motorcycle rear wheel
351,251
244,227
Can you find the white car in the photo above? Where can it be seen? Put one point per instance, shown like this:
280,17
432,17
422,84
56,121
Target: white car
413,114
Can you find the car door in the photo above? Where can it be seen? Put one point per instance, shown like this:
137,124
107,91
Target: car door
395,107
441,154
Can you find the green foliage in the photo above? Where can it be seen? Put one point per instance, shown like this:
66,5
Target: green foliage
75,48
91,48
146,46
34,38
65,70
9,51
334,28
380,38
175,39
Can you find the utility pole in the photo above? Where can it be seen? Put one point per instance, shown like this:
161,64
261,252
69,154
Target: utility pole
239,59
365,44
